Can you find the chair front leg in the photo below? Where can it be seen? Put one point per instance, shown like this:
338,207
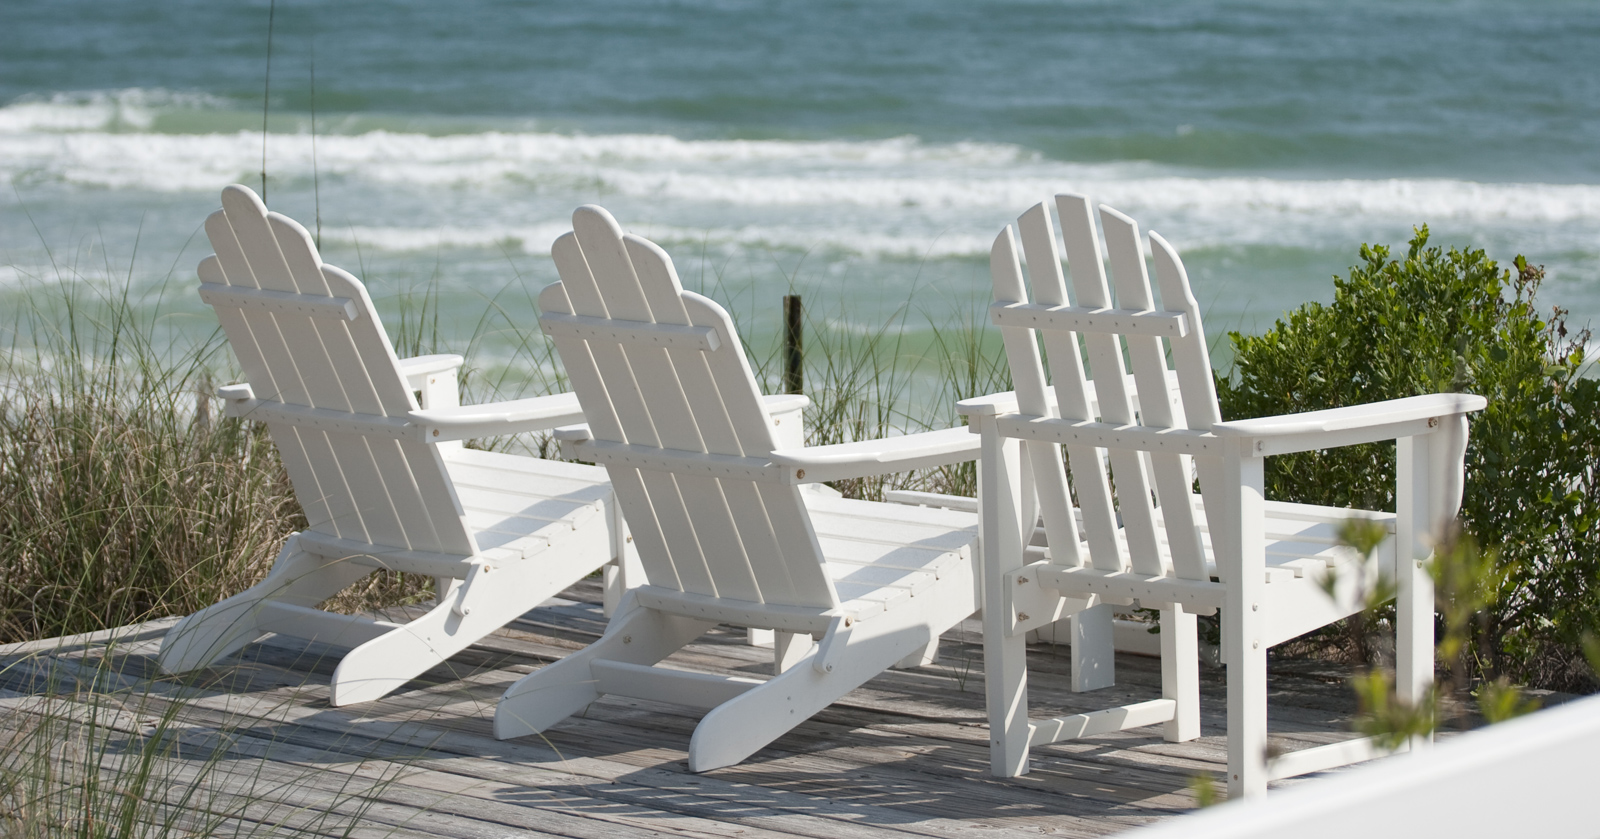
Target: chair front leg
1429,483
1244,539
625,571
1004,656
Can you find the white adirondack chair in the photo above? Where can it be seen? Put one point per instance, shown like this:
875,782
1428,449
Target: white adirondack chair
1142,534
725,532
384,482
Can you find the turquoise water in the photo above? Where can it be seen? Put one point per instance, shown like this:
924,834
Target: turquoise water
863,153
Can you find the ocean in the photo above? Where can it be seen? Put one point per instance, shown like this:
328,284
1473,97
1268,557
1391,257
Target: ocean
863,154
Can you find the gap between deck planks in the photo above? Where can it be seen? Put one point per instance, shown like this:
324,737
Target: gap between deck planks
905,755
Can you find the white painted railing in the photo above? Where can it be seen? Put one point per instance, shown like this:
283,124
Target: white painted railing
1530,777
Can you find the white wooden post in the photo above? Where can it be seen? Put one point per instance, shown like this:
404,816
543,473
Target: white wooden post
1414,541
1180,673
442,390
1094,663
626,571
1004,656
1247,655
789,649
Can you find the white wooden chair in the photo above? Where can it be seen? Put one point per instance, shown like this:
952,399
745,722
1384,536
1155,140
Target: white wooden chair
1142,534
724,530
384,482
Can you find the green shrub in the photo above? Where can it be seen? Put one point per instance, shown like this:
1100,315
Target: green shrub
1455,321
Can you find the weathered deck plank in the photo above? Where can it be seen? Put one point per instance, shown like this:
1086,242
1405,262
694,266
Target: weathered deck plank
904,756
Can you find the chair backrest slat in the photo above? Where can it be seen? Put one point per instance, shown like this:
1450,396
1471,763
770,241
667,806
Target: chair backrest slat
731,421
1173,483
1192,359
1128,470
1027,376
601,415
381,491
698,501
1072,393
721,537
1147,494
629,421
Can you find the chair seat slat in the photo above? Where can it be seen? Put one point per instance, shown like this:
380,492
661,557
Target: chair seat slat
334,547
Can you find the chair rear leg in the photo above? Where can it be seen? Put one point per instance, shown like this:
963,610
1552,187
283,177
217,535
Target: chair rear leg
920,658
625,571
224,628
1094,655
636,635
1180,673
789,649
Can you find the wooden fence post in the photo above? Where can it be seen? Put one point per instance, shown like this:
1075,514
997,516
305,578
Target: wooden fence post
793,357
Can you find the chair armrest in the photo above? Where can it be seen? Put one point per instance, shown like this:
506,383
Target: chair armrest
880,457
423,374
788,418
991,405
417,368
496,419
783,403
1335,427
573,433
241,392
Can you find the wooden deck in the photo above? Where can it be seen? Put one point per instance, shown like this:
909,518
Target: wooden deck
906,755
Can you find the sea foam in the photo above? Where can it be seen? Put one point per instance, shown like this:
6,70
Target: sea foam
54,141
97,110
898,197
